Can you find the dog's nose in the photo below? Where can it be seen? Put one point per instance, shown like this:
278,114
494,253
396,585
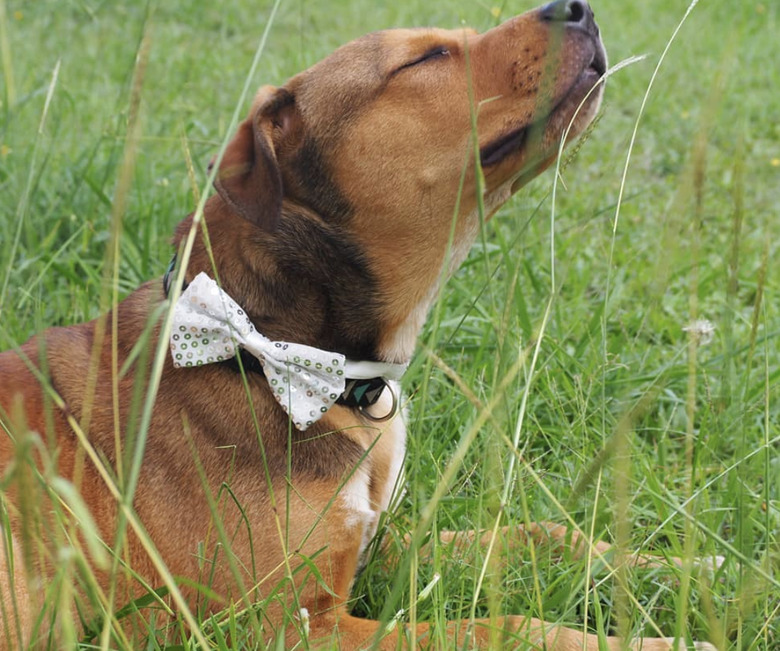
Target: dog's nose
575,13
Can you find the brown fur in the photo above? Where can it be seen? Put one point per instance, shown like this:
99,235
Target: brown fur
330,227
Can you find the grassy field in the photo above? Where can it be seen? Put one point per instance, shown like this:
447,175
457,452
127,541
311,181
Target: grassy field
558,378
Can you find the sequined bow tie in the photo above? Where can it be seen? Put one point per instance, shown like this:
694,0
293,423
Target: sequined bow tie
209,326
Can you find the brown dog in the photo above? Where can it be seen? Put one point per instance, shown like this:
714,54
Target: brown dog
336,213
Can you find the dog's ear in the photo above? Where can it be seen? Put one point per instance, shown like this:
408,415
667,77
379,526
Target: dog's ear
249,178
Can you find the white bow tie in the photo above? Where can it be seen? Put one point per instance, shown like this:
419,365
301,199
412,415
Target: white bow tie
209,326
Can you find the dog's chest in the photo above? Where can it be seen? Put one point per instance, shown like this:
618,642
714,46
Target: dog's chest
370,489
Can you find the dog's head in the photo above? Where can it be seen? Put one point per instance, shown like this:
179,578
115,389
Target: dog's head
380,139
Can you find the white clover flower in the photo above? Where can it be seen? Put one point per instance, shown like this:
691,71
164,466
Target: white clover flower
701,330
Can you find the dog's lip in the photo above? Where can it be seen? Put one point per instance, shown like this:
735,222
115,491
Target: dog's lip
599,61
498,149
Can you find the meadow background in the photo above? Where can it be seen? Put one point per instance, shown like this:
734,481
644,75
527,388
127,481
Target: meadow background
602,413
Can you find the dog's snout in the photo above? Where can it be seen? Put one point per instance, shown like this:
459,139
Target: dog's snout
571,12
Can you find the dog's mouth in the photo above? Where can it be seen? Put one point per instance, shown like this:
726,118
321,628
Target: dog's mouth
512,142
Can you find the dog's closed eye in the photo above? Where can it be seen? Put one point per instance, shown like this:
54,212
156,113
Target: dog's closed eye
430,55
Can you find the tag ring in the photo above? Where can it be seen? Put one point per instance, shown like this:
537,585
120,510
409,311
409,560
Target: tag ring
388,415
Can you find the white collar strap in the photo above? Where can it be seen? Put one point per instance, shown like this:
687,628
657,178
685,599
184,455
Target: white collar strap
209,326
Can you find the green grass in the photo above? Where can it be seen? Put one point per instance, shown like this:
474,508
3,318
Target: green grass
625,428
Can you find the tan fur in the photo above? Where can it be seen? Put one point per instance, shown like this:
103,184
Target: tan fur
334,207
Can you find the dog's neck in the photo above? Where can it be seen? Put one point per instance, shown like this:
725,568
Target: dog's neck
399,343
305,282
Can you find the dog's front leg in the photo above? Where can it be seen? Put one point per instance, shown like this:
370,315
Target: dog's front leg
556,538
343,631
336,628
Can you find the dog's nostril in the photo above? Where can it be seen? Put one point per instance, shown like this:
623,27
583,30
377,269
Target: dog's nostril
566,11
576,12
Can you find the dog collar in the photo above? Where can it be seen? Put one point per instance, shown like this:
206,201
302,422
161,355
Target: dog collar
210,327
